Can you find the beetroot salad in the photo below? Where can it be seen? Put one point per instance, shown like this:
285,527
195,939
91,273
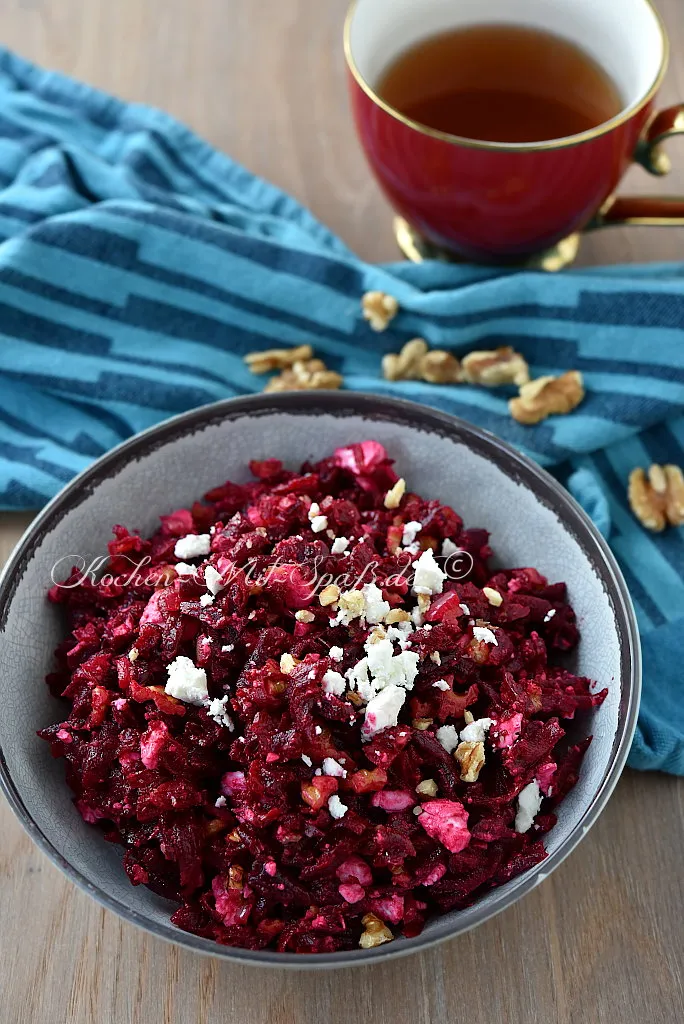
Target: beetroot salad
311,713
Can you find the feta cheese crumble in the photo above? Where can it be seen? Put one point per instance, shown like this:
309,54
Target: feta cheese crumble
336,807
449,548
376,607
194,545
217,709
183,569
334,768
485,635
529,802
476,731
411,531
318,522
307,760
428,578
340,545
441,684
334,683
186,682
206,599
213,580
549,615
448,737
336,653
383,710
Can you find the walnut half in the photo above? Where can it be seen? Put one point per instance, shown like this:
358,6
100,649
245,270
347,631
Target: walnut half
375,932
547,396
310,375
405,365
379,309
277,358
491,369
657,499
471,757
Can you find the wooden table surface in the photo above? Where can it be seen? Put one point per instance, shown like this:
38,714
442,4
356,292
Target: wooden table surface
602,940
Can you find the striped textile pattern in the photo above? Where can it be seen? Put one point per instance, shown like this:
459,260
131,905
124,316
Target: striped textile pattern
138,266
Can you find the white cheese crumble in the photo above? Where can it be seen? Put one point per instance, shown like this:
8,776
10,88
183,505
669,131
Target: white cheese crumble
183,569
217,709
318,522
529,802
334,683
192,546
436,657
376,607
411,531
465,609
213,580
448,737
549,615
441,684
476,731
220,802
417,617
336,653
227,648
483,633
206,600
334,768
307,760
186,682
340,545
336,807
383,710
449,548
428,578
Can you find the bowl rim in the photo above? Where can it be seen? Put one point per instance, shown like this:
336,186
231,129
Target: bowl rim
406,414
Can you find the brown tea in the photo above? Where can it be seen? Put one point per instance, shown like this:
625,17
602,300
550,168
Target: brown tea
501,83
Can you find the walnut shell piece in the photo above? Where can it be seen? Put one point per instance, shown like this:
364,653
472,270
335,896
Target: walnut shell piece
547,396
379,309
657,498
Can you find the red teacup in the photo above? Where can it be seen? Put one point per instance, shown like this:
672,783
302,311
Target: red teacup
492,201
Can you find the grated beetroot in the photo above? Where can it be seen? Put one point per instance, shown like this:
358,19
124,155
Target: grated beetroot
255,797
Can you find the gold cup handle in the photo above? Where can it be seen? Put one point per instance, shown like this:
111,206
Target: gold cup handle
650,211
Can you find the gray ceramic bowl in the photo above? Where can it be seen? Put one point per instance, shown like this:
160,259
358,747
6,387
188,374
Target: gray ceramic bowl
533,522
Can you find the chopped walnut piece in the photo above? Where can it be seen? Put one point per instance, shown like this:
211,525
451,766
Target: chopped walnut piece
657,499
468,717
421,724
287,664
493,596
428,787
133,654
277,358
397,615
304,616
491,369
405,365
311,375
440,367
394,496
547,396
376,932
329,595
379,309
471,758
236,877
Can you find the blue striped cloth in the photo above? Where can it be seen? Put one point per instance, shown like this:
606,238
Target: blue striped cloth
138,266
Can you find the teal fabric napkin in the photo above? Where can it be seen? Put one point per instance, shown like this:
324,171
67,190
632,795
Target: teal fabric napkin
138,266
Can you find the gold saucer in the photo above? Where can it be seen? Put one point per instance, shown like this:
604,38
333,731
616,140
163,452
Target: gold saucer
416,248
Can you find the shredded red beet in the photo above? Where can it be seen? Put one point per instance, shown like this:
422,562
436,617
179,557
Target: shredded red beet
285,758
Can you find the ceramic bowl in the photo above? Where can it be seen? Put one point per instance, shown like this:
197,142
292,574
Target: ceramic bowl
533,522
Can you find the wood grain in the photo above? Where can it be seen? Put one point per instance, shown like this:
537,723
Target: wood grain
601,940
